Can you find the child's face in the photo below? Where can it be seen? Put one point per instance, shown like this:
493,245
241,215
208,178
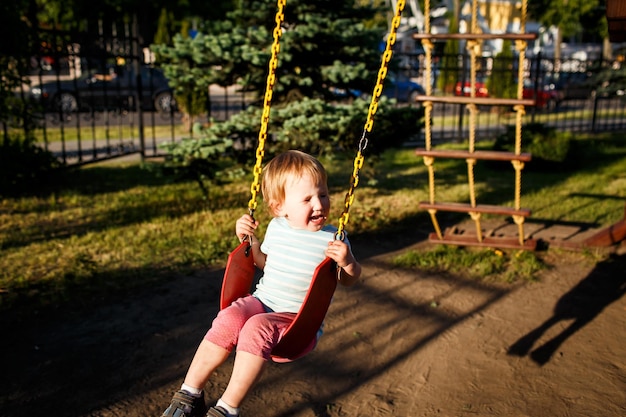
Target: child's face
306,204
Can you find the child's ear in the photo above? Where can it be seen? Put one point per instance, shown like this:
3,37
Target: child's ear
277,209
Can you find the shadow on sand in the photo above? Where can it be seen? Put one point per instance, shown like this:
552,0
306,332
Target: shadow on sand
605,284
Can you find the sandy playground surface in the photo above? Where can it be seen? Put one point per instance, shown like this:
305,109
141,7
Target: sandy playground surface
399,343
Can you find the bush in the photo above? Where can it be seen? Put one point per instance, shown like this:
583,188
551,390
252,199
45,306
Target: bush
311,125
321,128
394,127
25,167
550,149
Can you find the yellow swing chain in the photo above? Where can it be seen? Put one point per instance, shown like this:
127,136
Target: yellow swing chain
358,159
267,103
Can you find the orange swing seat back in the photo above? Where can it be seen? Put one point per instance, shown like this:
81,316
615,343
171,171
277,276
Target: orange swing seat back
301,336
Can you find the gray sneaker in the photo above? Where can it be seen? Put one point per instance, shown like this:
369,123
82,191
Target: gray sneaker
185,404
217,412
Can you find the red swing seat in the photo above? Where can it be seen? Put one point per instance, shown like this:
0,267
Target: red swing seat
300,337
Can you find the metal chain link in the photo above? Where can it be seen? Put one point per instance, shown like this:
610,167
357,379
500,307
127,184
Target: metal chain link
358,160
378,89
267,102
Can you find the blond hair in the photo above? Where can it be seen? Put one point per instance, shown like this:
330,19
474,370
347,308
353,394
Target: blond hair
286,167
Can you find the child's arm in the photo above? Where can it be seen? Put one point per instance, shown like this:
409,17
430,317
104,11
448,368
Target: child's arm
245,228
340,252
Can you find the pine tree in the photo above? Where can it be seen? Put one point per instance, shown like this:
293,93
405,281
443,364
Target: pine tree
165,29
324,43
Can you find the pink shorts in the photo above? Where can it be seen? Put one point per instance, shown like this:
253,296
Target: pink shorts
247,325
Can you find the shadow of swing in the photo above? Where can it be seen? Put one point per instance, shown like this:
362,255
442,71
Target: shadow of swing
604,285
372,330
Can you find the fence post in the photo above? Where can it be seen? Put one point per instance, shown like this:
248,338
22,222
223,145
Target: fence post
594,114
463,108
138,64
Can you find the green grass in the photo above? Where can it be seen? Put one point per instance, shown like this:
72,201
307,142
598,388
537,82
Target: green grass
120,127
110,227
471,263
502,116
116,129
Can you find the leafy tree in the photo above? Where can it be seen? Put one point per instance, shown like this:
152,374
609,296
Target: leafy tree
571,17
74,14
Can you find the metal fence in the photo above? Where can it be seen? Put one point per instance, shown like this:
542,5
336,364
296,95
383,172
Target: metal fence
122,107
571,95
95,95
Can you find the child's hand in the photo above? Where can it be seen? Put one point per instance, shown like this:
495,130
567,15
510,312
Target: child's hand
245,226
340,252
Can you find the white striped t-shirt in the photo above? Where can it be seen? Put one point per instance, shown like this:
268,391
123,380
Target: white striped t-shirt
292,256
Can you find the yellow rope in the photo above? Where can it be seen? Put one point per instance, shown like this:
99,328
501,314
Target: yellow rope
378,89
474,49
520,45
473,28
471,162
433,218
428,111
429,162
519,220
271,80
476,217
473,112
428,105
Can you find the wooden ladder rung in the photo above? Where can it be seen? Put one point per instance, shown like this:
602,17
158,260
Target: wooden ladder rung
478,36
485,101
491,242
480,208
481,155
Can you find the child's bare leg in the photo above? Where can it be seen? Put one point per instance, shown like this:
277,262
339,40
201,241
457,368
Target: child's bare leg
246,372
206,360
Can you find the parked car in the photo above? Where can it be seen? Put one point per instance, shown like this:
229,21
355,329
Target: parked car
397,86
402,88
113,90
465,89
571,85
545,97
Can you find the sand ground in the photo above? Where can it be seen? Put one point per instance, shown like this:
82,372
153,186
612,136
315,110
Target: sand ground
400,342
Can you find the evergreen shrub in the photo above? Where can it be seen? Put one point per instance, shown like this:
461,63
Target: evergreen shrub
311,125
25,167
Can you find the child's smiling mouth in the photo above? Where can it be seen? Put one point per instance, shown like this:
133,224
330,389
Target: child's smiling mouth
317,218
